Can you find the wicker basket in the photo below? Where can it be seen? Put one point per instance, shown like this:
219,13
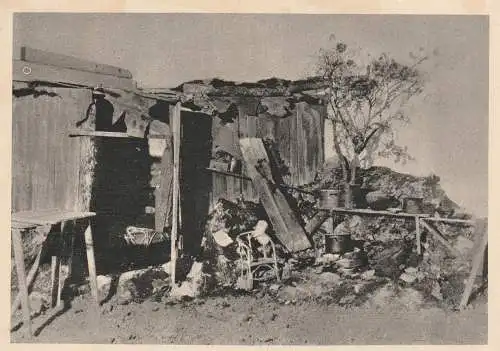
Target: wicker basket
136,236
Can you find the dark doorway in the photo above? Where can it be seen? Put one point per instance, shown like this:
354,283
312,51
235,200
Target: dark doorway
196,182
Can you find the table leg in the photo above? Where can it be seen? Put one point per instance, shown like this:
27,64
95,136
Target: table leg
91,262
55,278
29,281
69,277
21,278
61,280
56,271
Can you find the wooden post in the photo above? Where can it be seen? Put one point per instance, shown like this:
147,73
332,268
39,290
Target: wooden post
21,278
29,280
476,266
91,262
69,277
60,280
163,193
56,270
418,235
55,277
88,154
176,133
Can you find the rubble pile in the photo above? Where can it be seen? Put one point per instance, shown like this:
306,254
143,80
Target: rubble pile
375,262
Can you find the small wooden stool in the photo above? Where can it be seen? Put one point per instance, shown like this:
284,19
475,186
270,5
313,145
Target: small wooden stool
22,221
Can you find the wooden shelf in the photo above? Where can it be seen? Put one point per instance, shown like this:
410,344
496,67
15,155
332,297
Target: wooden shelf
93,133
375,213
423,216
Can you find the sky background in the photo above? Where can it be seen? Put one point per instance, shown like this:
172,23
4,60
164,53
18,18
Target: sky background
449,130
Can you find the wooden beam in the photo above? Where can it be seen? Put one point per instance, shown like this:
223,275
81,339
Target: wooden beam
158,136
476,265
29,281
54,59
439,237
418,234
285,224
374,213
92,133
89,245
315,222
28,72
450,220
176,134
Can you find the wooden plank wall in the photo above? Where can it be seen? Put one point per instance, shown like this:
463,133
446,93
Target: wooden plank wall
45,161
299,138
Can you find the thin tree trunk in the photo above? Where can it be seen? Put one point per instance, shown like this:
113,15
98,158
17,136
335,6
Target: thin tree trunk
345,167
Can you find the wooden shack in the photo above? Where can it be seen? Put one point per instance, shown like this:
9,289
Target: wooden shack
289,115
57,164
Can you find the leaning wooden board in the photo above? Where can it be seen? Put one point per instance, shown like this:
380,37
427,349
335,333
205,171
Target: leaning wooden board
285,224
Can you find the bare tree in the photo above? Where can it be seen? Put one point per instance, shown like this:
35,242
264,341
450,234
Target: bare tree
366,97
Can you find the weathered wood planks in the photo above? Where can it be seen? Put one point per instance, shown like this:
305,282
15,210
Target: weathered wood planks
51,158
287,228
64,61
163,194
175,121
28,72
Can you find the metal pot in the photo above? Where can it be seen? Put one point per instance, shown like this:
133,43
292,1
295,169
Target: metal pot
328,199
412,205
337,243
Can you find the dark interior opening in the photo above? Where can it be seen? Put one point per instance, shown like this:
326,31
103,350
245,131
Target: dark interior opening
122,190
196,182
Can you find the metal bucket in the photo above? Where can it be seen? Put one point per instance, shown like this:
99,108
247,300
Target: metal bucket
337,243
412,205
328,199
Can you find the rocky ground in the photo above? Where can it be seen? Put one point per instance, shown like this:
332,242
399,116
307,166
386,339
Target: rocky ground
378,291
263,320
313,307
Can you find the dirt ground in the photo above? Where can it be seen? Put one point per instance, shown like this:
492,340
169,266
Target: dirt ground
252,319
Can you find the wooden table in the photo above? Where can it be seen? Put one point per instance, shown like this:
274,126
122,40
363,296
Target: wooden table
22,221
423,221
368,212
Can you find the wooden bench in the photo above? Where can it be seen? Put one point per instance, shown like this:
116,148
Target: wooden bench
22,221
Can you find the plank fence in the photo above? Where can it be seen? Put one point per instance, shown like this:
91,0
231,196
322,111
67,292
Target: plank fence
298,137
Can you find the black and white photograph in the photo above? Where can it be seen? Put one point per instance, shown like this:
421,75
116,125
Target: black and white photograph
249,178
